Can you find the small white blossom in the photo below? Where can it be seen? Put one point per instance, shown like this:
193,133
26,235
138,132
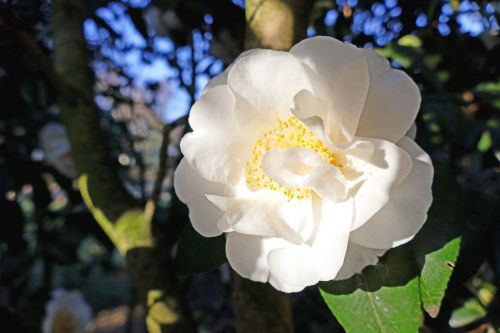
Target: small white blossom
57,149
66,312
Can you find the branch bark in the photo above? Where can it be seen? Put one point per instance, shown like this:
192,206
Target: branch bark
81,117
274,24
116,211
162,169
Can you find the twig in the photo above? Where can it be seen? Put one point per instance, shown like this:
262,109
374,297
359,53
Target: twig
162,167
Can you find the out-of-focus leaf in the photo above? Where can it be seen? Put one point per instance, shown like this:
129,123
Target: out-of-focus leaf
486,293
490,92
471,311
485,142
410,40
196,253
405,55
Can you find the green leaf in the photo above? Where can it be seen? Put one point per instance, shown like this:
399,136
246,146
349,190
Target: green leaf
383,298
435,275
489,92
486,294
196,254
131,230
410,40
437,245
471,311
388,297
485,142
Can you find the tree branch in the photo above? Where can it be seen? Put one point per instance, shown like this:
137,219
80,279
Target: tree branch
162,166
128,225
276,24
259,307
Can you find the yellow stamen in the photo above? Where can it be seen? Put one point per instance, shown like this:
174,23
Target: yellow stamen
289,133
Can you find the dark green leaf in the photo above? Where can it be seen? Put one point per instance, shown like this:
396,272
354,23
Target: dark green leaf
383,298
196,253
437,245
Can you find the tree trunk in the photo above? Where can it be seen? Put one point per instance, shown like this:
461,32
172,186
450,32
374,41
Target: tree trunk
259,307
81,117
149,266
274,24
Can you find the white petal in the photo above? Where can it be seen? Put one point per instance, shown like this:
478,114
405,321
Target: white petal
259,215
341,79
292,268
218,80
216,155
334,220
268,80
405,213
191,188
412,132
392,103
356,259
221,79
312,111
329,182
247,254
354,156
387,167
212,110
291,167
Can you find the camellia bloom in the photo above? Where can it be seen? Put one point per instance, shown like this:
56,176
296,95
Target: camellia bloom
304,159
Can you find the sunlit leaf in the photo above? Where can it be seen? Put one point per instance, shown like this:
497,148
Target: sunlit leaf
383,298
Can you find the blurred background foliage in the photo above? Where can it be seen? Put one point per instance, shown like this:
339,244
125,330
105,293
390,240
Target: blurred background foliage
150,61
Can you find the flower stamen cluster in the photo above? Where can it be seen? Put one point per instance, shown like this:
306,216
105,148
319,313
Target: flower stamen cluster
288,133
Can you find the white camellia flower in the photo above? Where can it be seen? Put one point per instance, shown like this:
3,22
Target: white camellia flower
302,159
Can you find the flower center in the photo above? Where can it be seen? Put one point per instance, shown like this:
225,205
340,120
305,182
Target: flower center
288,133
